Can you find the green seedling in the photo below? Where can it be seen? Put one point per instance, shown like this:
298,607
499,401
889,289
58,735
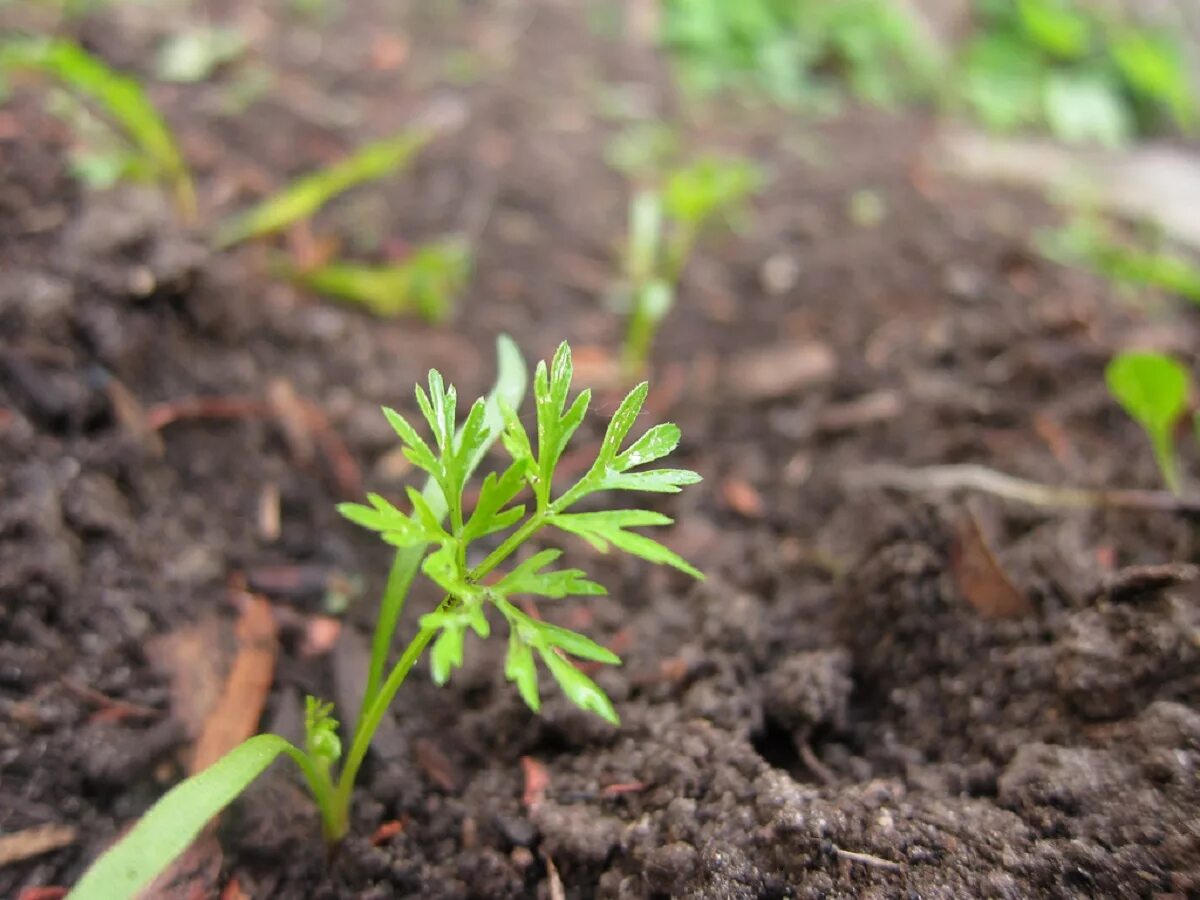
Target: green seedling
426,283
1087,243
303,197
664,226
438,537
1153,389
118,96
1065,66
797,52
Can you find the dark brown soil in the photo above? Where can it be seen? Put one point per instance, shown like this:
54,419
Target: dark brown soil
826,716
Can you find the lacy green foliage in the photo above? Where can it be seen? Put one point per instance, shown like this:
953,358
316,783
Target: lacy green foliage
533,465
426,283
1065,66
118,96
434,535
664,226
1153,389
797,52
303,197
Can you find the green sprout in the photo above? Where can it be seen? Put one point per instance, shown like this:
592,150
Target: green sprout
1153,389
307,194
426,282
121,99
664,226
438,536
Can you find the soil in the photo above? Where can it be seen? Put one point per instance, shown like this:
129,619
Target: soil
826,716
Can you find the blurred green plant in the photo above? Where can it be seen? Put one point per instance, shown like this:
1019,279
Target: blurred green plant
426,282
152,149
1081,73
1089,243
798,52
664,225
193,55
307,194
1153,389
438,548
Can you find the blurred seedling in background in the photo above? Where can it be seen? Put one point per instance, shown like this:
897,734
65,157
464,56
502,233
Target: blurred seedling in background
1085,75
664,225
426,282
150,149
798,53
472,593
1153,389
1090,243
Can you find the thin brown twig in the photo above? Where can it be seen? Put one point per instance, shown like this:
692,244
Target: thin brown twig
868,860
936,479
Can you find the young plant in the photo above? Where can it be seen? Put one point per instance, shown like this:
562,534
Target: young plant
438,535
664,226
427,282
119,96
1153,389
307,194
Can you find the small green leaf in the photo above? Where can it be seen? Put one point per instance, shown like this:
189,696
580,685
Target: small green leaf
397,528
520,669
489,514
575,644
1055,27
529,578
425,514
654,444
621,422
603,528
655,481
320,732
580,689
170,825
1152,389
447,654
303,197
442,568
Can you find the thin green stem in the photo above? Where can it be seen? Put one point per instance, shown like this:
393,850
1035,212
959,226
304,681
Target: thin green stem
531,526
400,578
1164,454
368,723
321,787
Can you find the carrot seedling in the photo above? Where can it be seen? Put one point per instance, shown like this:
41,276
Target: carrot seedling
664,226
119,96
1153,389
307,194
437,536
427,282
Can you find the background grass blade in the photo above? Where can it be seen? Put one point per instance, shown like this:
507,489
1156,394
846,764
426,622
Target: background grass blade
303,197
121,98
172,823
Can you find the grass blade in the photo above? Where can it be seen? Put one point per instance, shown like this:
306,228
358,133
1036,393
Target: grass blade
121,98
171,824
303,197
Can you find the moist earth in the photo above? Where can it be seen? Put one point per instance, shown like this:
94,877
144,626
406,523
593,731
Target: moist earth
828,715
